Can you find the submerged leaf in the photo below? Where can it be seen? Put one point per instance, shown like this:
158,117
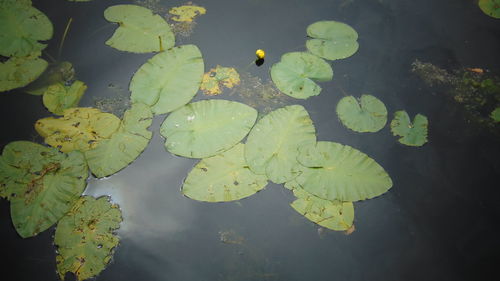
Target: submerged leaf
296,73
334,171
271,146
125,145
85,237
61,72
168,80
219,77
59,97
80,128
22,27
41,183
206,128
20,71
332,40
186,13
490,7
412,134
222,178
140,30
368,114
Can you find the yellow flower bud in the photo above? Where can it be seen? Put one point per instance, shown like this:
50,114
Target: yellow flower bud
260,53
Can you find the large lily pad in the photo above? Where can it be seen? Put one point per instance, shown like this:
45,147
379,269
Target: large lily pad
20,71
333,171
332,40
85,237
296,73
412,134
490,7
42,184
168,80
22,27
368,114
224,177
206,128
140,30
271,146
80,128
125,145
59,97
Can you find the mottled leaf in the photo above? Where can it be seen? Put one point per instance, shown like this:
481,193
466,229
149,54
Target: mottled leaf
186,13
219,77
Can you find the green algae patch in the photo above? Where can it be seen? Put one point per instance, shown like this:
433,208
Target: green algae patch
410,133
186,13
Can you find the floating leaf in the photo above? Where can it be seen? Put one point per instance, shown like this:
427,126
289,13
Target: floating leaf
332,40
140,30
222,178
186,13
125,145
206,128
168,80
59,97
334,171
295,74
219,77
20,71
495,114
79,129
366,115
42,184
490,7
22,27
85,237
412,134
335,215
271,146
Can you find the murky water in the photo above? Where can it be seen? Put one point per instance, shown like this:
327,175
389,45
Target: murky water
438,222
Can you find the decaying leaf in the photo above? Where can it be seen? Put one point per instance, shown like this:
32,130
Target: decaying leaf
59,97
186,13
85,237
217,78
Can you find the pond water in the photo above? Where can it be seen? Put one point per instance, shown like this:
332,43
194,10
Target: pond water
438,222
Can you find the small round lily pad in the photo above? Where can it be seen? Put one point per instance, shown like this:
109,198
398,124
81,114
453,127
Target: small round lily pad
368,114
412,134
332,40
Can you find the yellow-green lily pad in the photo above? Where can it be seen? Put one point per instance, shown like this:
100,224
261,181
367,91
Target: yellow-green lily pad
59,97
18,72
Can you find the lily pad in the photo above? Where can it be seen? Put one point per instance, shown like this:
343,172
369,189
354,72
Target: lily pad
206,128
495,114
368,114
41,183
60,72
332,40
59,97
80,128
412,134
490,7
125,145
22,27
295,75
219,77
18,72
85,237
271,146
334,215
333,171
186,13
168,80
222,178
140,30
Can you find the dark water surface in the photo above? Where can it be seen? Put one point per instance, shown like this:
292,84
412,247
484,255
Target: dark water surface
438,222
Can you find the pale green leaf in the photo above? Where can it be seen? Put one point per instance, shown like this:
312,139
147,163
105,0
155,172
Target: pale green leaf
332,40
368,114
18,72
59,97
412,134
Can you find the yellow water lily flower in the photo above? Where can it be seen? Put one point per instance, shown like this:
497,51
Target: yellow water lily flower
260,53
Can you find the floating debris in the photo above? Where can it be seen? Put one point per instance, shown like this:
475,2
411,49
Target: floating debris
230,237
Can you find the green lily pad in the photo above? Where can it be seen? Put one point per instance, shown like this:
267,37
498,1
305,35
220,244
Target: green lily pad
22,27
20,71
490,7
80,128
412,134
495,114
168,80
125,145
368,114
334,215
85,237
41,183
271,146
222,178
333,171
59,97
332,40
140,30
206,128
296,73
